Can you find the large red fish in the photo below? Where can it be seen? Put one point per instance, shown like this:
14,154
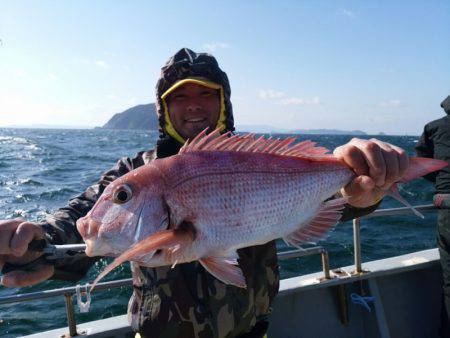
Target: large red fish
219,194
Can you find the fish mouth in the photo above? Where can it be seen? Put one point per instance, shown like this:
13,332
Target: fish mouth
95,248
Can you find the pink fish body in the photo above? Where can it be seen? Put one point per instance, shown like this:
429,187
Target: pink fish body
217,195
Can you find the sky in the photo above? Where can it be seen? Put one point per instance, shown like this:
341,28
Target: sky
378,66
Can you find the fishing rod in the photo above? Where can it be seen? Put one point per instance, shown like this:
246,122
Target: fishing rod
50,252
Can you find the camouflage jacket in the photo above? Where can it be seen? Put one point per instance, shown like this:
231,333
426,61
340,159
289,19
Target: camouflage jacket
185,301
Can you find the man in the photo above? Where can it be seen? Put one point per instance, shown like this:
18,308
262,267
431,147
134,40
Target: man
194,93
435,143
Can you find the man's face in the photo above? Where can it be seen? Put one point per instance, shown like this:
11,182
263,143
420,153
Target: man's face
192,108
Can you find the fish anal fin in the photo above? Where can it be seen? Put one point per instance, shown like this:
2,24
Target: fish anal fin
224,269
328,215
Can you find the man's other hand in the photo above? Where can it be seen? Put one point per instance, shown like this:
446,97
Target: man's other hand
15,235
377,165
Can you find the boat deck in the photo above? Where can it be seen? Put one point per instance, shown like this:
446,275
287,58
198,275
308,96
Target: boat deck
406,303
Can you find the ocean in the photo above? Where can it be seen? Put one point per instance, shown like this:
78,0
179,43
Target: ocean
41,169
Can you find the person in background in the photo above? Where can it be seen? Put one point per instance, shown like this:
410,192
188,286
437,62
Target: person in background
435,143
193,93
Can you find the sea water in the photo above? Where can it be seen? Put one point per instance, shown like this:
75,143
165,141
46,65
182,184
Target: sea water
41,169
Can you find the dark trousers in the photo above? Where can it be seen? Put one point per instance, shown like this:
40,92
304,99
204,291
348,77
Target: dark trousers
444,252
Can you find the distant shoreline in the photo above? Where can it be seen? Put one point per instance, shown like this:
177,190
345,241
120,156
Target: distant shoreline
283,132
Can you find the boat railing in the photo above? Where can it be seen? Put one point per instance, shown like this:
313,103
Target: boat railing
379,213
82,291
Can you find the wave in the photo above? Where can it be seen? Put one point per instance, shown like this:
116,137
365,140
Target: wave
46,195
22,181
11,139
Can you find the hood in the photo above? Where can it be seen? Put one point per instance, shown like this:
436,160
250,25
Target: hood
446,105
188,66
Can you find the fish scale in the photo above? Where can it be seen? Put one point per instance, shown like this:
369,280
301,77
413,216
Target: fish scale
252,204
255,200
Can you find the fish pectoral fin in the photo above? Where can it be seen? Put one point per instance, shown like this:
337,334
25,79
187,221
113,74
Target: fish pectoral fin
328,215
159,240
225,269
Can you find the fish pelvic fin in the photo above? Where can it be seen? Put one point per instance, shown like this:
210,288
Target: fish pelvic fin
328,215
225,269
159,240
215,141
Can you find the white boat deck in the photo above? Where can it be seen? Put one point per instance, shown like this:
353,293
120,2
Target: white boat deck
407,299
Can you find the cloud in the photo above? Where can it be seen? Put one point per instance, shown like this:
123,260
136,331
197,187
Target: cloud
346,12
52,77
215,46
394,103
281,98
102,64
295,101
270,94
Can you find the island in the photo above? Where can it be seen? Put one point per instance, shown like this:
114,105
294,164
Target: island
140,117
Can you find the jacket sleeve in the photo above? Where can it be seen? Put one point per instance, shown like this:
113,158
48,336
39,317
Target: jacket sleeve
425,148
61,228
351,212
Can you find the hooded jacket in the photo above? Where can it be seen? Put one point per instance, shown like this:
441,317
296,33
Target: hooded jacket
185,301
435,143
187,65
446,105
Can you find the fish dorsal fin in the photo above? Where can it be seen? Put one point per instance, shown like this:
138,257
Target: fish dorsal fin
215,141
328,215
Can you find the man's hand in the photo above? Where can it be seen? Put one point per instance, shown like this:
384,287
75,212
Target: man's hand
378,165
15,235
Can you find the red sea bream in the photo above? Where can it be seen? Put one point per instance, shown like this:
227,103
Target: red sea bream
219,194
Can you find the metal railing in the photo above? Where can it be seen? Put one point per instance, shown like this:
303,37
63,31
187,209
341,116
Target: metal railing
69,292
379,213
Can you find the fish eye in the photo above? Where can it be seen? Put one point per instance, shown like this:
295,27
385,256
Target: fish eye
122,194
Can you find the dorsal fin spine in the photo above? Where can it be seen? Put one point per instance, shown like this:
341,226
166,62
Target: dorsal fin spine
244,145
265,145
254,144
271,146
215,141
224,143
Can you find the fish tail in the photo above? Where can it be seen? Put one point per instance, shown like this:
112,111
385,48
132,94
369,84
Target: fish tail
159,240
420,166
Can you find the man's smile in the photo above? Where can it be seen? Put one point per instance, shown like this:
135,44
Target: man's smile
195,119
